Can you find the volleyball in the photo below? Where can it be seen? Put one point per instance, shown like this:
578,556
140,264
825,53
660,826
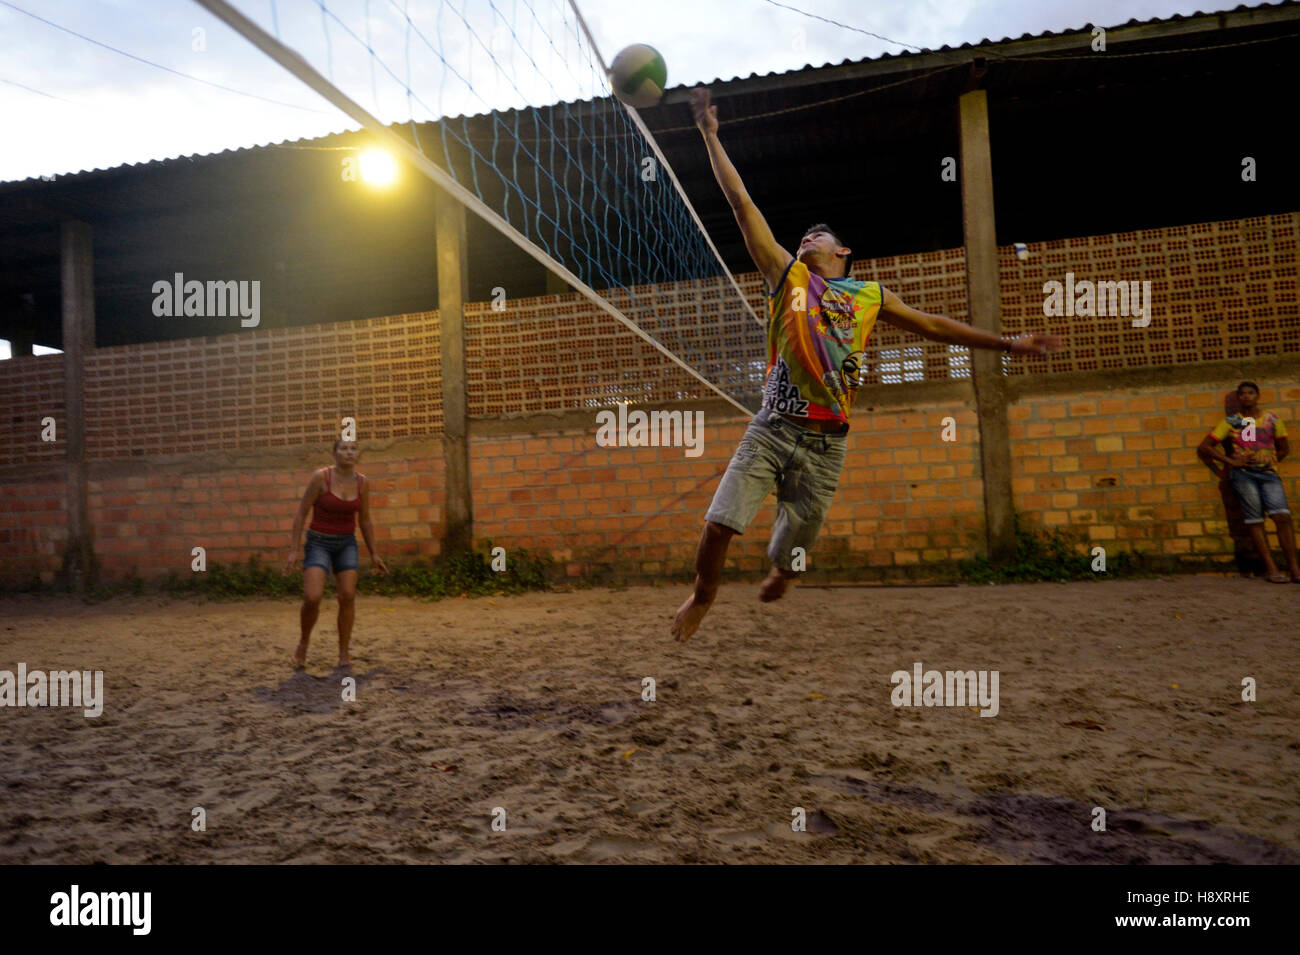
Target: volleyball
638,75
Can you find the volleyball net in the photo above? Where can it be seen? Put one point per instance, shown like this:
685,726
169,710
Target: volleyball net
507,106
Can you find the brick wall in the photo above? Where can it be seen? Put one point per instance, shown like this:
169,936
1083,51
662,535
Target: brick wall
209,441
1120,467
1220,291
1117,467
148,523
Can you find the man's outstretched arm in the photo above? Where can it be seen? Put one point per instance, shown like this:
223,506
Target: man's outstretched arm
769,257
940,328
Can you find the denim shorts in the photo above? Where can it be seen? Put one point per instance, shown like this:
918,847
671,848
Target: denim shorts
1260,493
335,552
803,466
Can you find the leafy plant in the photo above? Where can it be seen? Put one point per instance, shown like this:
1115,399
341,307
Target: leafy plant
1049,554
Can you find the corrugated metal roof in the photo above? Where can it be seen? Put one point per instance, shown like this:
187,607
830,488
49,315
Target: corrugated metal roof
906,58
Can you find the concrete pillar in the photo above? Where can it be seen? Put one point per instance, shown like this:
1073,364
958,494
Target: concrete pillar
78,287
980,236
453,283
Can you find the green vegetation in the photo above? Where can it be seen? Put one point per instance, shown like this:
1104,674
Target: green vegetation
467,574
1052,555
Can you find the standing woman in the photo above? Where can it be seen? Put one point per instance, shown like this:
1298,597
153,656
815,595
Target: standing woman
336,496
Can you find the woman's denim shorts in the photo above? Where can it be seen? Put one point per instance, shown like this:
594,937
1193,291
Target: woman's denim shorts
335,552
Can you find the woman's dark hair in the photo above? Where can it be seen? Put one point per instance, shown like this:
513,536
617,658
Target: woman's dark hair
823,227
1248,384
337,442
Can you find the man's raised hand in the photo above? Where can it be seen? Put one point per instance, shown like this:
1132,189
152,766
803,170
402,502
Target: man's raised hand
706,116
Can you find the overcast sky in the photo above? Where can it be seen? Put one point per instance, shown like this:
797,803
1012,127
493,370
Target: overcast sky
68,104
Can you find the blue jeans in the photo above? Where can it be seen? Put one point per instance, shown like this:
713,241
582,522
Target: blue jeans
1260,493
331,552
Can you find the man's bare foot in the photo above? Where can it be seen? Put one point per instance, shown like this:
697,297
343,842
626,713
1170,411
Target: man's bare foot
688,619
300,656
774,586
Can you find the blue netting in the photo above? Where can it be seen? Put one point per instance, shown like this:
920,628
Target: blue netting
511,100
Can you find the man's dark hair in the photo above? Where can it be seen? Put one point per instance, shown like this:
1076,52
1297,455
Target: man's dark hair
823,227
1248,384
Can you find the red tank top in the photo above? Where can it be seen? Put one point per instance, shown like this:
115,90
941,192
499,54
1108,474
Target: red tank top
333,515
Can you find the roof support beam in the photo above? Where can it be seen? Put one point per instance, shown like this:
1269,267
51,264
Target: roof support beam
983,303
77,259
453,286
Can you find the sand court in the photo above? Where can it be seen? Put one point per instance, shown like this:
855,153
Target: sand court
530,711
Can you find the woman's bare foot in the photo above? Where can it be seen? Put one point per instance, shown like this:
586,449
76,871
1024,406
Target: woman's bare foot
300,655
774,586
688,619
344,662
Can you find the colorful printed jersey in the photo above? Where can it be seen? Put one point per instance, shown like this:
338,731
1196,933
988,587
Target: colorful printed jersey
1263,449
815,340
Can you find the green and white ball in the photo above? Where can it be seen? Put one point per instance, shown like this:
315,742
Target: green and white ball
638,75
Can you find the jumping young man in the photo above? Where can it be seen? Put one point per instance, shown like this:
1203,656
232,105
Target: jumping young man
816,336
